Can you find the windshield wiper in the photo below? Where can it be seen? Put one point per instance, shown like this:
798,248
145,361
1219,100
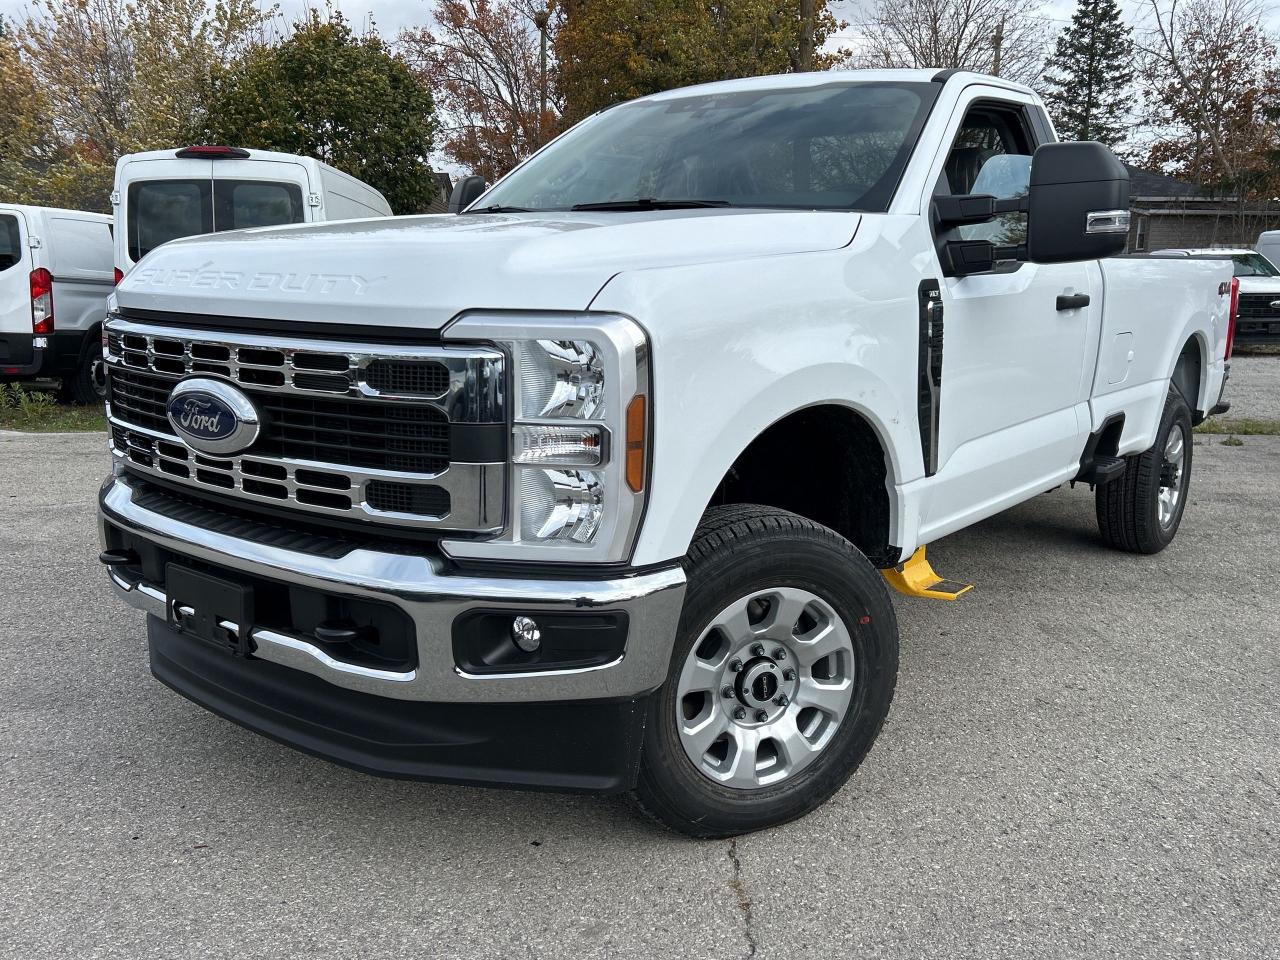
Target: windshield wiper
499,208
650,203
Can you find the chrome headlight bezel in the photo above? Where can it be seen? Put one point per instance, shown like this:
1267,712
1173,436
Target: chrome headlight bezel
621,349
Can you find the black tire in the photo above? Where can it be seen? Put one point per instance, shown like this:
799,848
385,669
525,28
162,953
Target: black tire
737,550
87,384
1129,508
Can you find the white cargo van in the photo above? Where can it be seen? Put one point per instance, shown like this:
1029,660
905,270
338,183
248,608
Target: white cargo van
55,276
162,195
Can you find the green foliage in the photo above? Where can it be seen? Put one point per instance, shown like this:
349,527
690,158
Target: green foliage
1088,82
88,80
609,51
1245,427
327,93
35,411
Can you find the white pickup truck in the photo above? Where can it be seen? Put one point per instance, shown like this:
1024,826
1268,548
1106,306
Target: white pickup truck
592,486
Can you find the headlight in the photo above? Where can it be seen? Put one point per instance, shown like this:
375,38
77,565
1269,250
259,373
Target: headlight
560,378
578,448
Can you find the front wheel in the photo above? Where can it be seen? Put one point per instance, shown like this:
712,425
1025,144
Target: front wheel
782,675
1140,512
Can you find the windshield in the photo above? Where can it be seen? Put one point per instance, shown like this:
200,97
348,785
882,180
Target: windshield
164,210
1253,265
838,147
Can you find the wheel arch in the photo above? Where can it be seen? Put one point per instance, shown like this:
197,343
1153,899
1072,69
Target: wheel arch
1190,373
850,474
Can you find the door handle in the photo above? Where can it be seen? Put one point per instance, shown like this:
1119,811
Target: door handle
1072,301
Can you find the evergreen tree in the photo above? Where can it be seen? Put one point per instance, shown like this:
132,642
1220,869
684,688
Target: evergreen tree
1088,80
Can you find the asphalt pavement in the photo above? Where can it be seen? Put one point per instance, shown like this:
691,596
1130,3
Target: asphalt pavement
1083,760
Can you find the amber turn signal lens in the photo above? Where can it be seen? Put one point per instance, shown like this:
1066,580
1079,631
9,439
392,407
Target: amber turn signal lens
635,443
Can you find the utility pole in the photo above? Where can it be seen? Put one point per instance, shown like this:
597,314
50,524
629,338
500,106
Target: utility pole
540,20
997,42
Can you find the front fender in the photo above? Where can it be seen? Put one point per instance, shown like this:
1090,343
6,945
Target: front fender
732,355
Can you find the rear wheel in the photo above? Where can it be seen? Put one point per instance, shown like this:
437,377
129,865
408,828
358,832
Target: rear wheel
782,675
1141,511
88,383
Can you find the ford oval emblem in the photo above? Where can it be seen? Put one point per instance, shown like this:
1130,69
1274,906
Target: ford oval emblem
212,416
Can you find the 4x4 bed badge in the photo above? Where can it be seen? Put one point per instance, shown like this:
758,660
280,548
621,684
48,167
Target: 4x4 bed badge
213,416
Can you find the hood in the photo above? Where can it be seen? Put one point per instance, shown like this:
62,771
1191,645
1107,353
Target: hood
1260,285
421,271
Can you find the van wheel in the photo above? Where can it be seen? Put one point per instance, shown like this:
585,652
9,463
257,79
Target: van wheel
1141,511
88,384
782,675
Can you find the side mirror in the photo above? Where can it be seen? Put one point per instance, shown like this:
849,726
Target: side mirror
465,192
1078,203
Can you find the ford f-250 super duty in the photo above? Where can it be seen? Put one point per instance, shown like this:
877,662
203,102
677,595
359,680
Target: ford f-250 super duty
591,487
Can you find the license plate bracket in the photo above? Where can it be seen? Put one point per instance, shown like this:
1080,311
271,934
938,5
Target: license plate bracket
210,608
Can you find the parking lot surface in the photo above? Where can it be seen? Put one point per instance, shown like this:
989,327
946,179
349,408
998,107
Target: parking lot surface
1254,386
1083,760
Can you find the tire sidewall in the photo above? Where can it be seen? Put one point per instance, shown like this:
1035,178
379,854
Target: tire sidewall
83,388
1176,415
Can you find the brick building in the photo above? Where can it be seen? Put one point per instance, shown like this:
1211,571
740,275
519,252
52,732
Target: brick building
1170,213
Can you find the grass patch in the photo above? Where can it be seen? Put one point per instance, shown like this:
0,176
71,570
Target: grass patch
35,411
1245,427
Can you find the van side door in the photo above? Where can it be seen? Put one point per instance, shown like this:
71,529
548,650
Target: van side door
15,289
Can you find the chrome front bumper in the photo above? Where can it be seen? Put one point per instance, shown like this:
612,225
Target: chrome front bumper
433,598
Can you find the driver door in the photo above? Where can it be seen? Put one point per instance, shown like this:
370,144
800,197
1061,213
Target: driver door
1013,401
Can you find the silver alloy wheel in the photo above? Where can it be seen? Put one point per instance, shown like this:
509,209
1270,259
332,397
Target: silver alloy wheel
98,377
1172,476
765,688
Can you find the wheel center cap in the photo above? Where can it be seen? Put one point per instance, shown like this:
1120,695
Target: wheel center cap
759,684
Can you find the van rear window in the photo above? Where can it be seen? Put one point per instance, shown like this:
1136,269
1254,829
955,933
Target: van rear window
163,210
10,242
250,203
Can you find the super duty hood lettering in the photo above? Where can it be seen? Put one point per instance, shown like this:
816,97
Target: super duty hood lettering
208,278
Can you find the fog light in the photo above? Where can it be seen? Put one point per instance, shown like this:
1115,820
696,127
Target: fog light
525,633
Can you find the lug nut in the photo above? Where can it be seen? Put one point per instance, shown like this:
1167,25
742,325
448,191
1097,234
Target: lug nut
762,716
782,700
780,654
740,714
735,664
757,650
727,692
788,674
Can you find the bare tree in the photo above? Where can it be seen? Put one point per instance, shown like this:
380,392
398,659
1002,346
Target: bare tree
482,58
1211,80
989,36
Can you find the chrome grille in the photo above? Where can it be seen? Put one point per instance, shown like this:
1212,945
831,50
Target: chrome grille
1257,306
378,449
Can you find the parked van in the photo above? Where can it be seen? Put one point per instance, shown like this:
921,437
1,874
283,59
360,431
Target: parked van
55,276
162,195
1269,245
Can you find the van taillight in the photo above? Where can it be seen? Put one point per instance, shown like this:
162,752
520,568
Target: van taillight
119,275
1231,315
41,301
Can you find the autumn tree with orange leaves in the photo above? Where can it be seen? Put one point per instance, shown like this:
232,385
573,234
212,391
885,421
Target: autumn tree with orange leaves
1211,77
481,57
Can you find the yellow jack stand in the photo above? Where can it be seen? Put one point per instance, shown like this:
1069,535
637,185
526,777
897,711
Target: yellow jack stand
916,578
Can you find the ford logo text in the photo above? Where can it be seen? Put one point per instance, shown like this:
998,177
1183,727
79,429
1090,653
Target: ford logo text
213,416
